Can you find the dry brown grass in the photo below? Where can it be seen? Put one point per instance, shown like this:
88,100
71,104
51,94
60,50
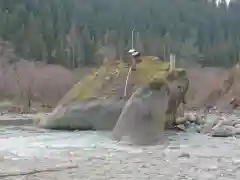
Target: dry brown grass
47,84
42,83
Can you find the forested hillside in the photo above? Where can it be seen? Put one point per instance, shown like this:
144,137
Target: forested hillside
74,33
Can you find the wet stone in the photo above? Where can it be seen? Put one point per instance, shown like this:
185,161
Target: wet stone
184,155
174,147
236,161
237,125
223,131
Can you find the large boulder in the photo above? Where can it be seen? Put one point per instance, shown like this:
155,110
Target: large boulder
85,115
143,117
96,102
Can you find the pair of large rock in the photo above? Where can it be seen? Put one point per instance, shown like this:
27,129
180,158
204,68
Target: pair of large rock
97,101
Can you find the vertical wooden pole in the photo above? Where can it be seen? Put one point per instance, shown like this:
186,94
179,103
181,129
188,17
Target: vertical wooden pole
132,38
172,62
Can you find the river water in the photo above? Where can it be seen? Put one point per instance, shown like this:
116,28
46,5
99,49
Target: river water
96,157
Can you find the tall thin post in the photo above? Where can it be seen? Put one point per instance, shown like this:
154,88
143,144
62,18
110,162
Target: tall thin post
172,62
132,38
164,52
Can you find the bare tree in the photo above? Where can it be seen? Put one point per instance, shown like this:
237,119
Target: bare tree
72,42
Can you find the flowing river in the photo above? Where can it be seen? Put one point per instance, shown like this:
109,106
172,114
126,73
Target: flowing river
30,153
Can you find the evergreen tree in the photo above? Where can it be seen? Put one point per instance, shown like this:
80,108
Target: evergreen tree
71,32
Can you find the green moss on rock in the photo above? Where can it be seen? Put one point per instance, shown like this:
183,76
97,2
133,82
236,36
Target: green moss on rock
109,80
177,73
157,83
106,79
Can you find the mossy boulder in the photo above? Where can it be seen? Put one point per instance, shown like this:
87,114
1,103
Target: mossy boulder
96,102
109,80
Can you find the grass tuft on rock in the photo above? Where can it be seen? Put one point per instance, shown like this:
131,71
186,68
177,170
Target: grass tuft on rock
107,80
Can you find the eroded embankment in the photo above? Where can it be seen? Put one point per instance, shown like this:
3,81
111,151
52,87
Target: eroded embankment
213,87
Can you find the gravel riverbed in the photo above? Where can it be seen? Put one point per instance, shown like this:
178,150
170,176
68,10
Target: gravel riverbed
31,153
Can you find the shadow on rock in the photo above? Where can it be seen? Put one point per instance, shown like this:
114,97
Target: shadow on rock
88,115
143,117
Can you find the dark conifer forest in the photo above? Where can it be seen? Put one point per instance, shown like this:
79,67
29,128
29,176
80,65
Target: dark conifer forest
74,33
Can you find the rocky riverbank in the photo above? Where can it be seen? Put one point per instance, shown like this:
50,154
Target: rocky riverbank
31,153
213,124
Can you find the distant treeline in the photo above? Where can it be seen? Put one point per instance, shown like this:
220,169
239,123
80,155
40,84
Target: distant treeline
77,32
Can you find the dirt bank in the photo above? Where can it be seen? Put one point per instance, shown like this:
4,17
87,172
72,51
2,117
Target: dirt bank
203,82
213,86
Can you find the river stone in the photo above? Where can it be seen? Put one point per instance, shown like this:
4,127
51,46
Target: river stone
191,117
237,130
223,131
181,127
210,122
85,115
194,128
181,120
230,122
200,120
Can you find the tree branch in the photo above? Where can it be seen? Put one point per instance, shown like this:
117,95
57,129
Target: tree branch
36,171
